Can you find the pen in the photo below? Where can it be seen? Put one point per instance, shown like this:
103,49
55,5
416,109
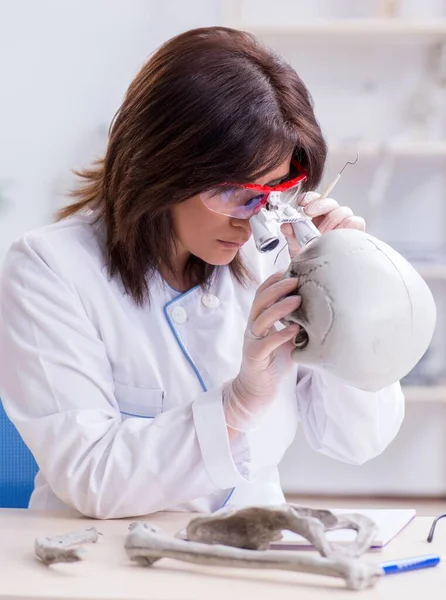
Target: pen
402,565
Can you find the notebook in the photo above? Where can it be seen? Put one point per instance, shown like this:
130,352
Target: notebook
390,523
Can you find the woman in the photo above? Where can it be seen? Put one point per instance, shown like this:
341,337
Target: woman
141,363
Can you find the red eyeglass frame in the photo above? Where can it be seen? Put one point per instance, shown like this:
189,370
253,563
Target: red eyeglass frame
267,189
282,187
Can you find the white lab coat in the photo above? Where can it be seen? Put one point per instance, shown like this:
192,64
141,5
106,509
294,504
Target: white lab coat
121,405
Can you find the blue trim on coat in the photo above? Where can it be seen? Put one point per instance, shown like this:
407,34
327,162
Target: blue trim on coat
186,353
228,498
177,337
133,415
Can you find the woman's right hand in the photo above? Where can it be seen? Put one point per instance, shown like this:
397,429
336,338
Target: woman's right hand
255,387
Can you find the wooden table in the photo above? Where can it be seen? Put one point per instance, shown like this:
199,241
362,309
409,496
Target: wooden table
106,572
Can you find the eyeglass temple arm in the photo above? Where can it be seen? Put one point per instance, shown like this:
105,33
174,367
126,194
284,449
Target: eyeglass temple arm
430,537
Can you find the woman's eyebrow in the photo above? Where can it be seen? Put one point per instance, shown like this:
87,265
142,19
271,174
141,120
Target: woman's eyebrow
277,180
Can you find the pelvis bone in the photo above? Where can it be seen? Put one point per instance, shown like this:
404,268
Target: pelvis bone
256,527
366,316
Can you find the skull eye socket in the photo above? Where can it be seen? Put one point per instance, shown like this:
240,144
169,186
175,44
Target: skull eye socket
301,340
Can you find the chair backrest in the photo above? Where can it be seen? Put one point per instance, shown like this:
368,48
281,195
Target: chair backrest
17,466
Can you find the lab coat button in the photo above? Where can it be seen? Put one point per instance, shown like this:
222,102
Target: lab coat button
210,300
178,314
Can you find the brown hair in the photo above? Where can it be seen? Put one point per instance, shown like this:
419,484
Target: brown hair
211,105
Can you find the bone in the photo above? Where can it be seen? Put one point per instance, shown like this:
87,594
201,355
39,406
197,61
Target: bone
313,524
254,528
146,545
64,548
352,285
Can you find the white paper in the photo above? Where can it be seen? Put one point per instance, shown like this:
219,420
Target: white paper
389,521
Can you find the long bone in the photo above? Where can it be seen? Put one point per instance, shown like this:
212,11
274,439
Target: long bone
146,545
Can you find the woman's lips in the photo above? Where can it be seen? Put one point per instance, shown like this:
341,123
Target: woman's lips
233,245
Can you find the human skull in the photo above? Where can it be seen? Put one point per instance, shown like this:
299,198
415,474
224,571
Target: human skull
366,314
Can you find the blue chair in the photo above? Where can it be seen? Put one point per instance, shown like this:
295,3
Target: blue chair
17,466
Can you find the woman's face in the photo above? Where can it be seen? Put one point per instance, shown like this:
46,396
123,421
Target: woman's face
215,238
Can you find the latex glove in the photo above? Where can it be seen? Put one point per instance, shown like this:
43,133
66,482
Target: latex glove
326,214
266,354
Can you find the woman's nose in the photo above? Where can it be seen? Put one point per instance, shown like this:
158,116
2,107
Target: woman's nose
242,224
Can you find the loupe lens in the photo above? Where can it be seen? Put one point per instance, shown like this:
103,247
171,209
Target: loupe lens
269,245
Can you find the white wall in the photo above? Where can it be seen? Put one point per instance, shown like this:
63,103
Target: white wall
64,67
379,88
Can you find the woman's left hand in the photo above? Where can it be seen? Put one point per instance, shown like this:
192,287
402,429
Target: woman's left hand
326,215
